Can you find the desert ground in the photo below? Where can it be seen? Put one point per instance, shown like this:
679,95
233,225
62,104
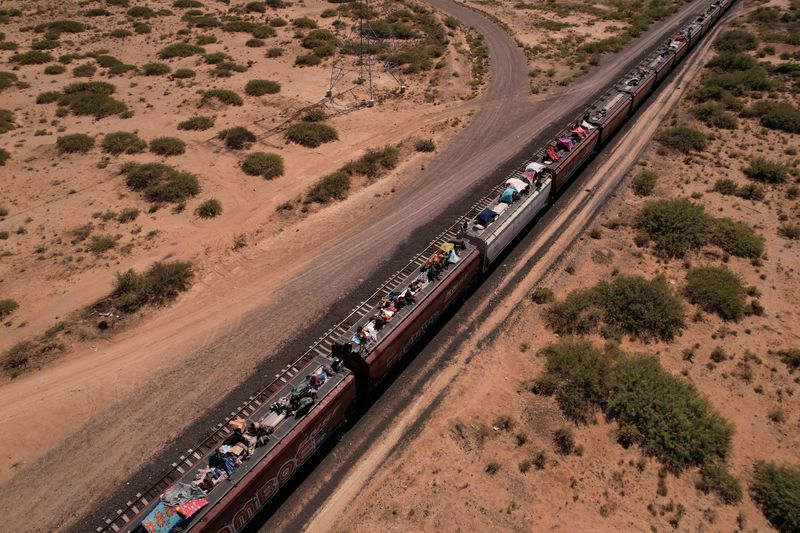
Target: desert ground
485,456
100,373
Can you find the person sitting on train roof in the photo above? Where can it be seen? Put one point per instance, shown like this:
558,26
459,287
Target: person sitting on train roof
509,196
520,186
484,218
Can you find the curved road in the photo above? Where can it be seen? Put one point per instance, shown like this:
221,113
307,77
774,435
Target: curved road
500,132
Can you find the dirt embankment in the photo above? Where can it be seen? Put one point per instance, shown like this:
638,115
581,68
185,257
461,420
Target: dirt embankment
485,458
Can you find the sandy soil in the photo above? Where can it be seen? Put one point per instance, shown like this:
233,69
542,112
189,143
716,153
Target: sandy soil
436,479
186,357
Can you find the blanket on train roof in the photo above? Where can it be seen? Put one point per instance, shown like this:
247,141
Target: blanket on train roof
162,519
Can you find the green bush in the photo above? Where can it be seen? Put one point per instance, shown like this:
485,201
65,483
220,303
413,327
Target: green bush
91,98
304,22
321,42
315,114
141,12
564,440
736,41
790,231
167,146
334,186
311,134
543,295
198,123
223,95
776,115
97,12
33,57
160,284
180,50
725,186
263,32
254,43
277,22
676,225
751,191
159,182
57,27
714,477
209,208
736,238
255,7
46,44
374,163
129,214
4,156
6,121
183,73
307,60
776,490
120,33
7,79
682,138
84,71
155,69
716,290
184,4
73,143
237,138
268,166
141,28
732,61
714,115
99,244
123,142
665,415
274,52
791,358
425,145
644,183
578,375
261,87
240,26
629,305
106,61
766,171
7,306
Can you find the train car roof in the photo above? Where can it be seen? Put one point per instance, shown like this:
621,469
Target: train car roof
605,107
280,432
400,287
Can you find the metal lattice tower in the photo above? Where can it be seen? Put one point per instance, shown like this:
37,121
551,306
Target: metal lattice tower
355,67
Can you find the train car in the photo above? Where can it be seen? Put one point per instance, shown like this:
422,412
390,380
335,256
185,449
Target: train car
223,490
609,112
639,83
256,487
694,32
679,45
527,191
572,158
660,62
377,342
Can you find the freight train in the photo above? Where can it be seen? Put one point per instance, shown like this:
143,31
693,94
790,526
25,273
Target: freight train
220,485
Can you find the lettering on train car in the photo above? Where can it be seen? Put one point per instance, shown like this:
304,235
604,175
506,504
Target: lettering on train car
304,451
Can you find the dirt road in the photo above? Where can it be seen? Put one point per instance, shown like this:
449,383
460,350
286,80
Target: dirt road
148,396
349,480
